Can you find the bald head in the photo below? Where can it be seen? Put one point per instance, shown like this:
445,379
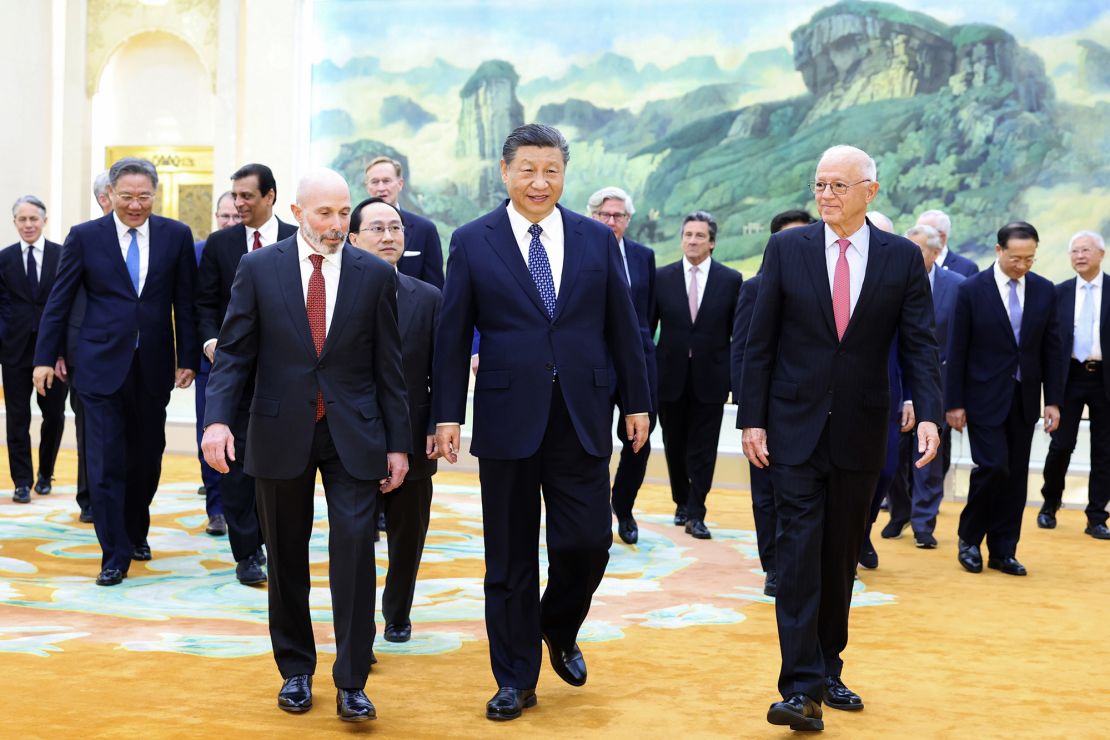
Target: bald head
323,209
881,221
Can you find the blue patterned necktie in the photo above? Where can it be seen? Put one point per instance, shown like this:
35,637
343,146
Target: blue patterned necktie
133,259
1015,319
541,270
1085,326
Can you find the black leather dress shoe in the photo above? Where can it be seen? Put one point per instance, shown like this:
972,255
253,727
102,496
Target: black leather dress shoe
110,577
296,694
1046,519
86,515
202,491
217,526
799,712
628,531
839,696
893,530
352,705
679,516
771,584
398,632
696,528
260,556
249,571
1098,531
925,540
970,557
43,486
381,521
510,703
141,551
21,495
1009,566
568,664
373,658
868,558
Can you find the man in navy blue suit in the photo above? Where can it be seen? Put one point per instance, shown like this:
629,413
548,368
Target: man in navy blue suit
814,406
423,257
138,272
947,259
613,207
547,290
1004,346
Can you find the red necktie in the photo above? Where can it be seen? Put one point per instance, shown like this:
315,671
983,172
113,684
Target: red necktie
842,290
316,305
257,240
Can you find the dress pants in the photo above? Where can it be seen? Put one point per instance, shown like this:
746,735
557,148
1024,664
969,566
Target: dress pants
575,488
237,497
1084,388
766,520
407,514
999,482
125,436
18,389
822,513
895,481
632,466
82,457
691,430
928,490
285,510
208,476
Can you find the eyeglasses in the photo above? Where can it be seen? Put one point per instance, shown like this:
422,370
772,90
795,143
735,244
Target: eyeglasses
378,230
1082,251
838,188
385,181
606,216
143,198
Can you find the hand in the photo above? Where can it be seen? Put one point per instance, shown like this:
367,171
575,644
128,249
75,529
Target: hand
430,447
60,370
754,440
637,427
218,446
907,417
474,364
398,469
928,442
43,378
185,377
956,418
448,437
210,351
1051,419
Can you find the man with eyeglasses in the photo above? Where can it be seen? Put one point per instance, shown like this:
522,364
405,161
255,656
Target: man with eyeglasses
1083,318
613,207
1003,348
815,404
136,343
423,257
254,191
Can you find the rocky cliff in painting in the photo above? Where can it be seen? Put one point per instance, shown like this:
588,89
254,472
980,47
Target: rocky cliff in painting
490,110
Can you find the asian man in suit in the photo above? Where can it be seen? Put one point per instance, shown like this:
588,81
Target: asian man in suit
423,258
546,289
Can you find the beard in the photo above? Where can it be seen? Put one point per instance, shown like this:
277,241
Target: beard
316,239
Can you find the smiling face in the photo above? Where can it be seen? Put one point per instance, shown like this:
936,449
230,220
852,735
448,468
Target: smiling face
697,244
29,222
253,206
381,232
1017,257
1086,257
534,180
844,213
133,198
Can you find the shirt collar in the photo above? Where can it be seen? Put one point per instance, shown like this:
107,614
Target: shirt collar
552,223
861,239
304,250
122,228
702,267
268,230
1003,279
37,244
943,255
1097,282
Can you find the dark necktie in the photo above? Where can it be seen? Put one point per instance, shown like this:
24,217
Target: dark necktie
257,240
32,272
316,305
541,270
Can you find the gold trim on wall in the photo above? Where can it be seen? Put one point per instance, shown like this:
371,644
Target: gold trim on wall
184,182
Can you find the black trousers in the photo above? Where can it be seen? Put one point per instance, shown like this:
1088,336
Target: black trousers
999,483
408,511
125,436
285,509
822,513
79,428
895,481
1084,388
766,520
691,430
237,498
18,389
575,487
632,466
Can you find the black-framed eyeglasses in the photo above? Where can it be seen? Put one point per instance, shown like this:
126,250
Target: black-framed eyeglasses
378,230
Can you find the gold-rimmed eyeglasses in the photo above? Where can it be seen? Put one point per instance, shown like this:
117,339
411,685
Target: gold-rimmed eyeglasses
838,188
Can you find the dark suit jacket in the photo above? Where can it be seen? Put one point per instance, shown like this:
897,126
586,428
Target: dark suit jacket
798,376
708,337
423,258
359,369
959,264
741,323
1065,322
20,311
489,288
115,318
418,305
946,284
983,356
641,270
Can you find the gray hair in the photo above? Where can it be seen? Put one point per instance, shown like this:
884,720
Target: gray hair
609,193
870,170
932,236
706,218
534,134
944,223
32,200
227,194
1094,235
881,221
132,166
100,184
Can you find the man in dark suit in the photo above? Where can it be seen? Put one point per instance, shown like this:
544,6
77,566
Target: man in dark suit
947,259
423,258
1083,323
613,207
695,304
377,227
254,191
763,493
27,270
546,289
1004,345
814,406
316,324
138,272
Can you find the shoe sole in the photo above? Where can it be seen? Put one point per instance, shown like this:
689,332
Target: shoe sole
560,670
795,721
1006,572
886,536
359,718
971,569
397,639
925,546
252,583
844,707
528,704
294,710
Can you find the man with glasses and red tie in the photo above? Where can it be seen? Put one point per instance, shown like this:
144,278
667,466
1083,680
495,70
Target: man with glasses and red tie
814,406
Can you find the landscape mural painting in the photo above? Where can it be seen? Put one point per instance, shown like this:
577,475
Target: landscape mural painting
992,110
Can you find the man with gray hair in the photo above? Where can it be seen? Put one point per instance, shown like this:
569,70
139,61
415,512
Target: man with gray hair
613,207
947,259
1083,323
100,192
27,272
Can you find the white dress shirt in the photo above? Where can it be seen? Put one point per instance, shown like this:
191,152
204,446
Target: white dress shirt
624,258
942,256
142,236
1003,281
551,238
267,231
329,267
702,270
37,246
932,277
856,256
1096,296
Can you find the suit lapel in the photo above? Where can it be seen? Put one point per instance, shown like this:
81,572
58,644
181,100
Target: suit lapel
1068,320
712,289
155,252
504,244
1000,311
350,284
813,254
20,282
289,278
572,258
406,303
49,268
1104,317
877,256
115,254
